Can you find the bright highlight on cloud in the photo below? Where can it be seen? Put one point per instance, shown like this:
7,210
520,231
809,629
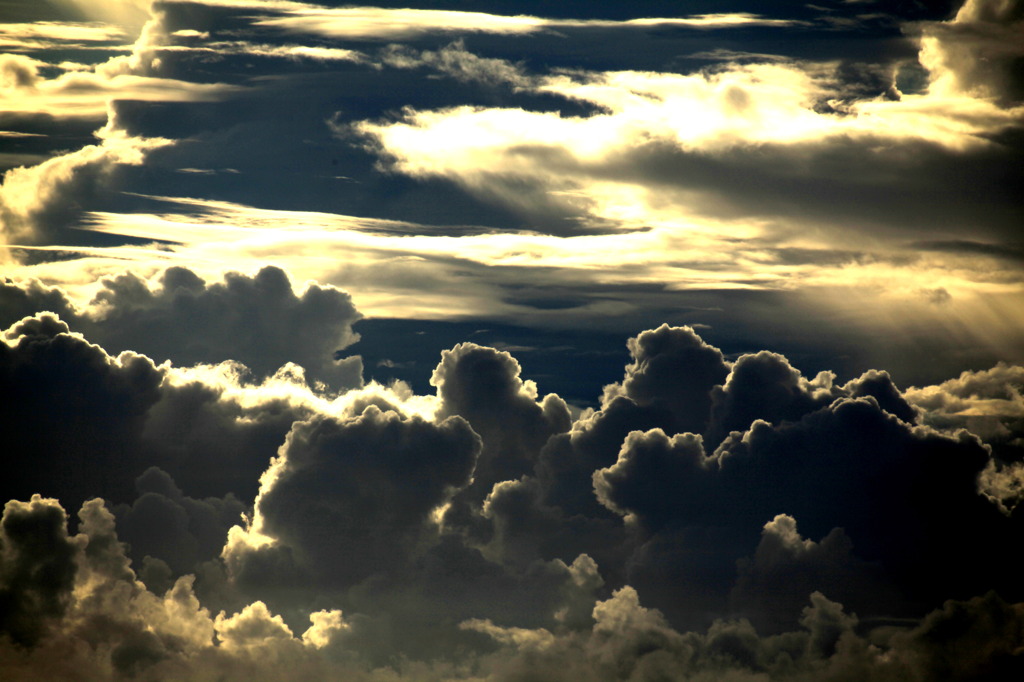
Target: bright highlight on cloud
438,343
372,23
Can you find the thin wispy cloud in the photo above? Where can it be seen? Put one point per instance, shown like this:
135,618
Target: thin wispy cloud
372,23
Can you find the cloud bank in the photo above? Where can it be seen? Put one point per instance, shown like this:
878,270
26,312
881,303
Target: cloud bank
710,517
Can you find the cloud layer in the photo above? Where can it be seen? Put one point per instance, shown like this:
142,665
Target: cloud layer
711,515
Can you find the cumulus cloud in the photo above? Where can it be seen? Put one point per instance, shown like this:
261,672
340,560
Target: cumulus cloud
673,369
111,627
212,433
91,423
630,641
989,404
978,52
37,572
483,386
849,465
786,567
256,320
764,386
352,498
164,524
349,543
76,412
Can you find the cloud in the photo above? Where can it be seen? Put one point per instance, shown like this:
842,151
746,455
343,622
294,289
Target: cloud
978,52
111,626
764,386
49,34
483,386
989,404
37,571
355,497
672,369
257,320
180,531
620,280
249,507
77,412
531,498
36,202
592,161
101,421
350,517
224,48
786,567
371,23
849,465
88,91
459,63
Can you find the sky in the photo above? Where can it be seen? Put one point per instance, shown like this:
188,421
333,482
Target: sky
504,341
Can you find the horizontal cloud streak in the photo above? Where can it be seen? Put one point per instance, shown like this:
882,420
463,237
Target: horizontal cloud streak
371,23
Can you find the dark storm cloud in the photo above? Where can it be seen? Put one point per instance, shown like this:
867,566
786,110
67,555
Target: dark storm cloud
673,369
163,523
83,423
774,582
355,498
258,320
765,386
37,570
347,517
215,439
75,413
631,642
850,466
483,385
25,299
